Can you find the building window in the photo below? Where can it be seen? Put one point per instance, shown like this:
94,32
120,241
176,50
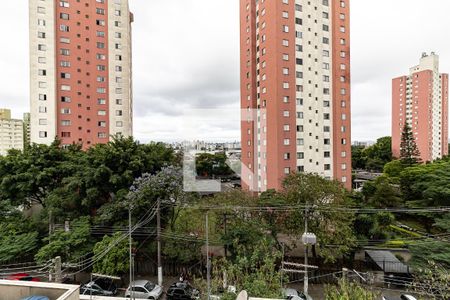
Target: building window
42,134
64,16
65,111
66,122
65,52
286,142
287,170
64,28
101,112
42,121
118,113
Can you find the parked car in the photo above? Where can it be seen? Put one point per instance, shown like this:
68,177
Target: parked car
144,289
36,298
182,291
293,294
99,287
22,277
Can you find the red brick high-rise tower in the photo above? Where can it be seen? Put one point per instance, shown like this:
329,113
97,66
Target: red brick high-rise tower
421,100
80,64
295,86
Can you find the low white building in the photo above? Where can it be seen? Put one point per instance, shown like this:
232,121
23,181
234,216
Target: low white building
11,132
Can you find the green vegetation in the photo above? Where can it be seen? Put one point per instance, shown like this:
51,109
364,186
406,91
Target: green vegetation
349,291
372,158
212,165
95,189
409,152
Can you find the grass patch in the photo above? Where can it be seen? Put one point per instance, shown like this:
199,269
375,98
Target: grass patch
405,231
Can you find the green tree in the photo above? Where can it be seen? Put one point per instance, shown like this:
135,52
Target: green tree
409,152
349,291
112,254
373,226
18,235
255,271
393,169
183,241
212,165
374,157
433,281
29,177
385,194
110,169
359,159
69,245
332,225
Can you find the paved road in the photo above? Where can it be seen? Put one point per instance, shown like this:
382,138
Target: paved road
315,290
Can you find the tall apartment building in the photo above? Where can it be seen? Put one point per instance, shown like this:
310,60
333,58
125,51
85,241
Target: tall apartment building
11,132
295,90
80,64
420,99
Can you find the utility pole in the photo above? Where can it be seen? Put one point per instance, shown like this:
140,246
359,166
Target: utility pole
50,231
131,252
208,266
305,281
158,238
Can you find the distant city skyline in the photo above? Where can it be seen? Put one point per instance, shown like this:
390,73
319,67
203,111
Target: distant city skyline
186,57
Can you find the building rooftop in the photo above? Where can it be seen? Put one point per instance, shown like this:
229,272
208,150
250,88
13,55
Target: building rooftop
15,289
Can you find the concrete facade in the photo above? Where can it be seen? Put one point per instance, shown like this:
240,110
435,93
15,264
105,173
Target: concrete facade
13,290
295,90
11,132
80,71
421,100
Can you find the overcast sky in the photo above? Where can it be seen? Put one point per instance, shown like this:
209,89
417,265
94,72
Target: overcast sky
186,56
